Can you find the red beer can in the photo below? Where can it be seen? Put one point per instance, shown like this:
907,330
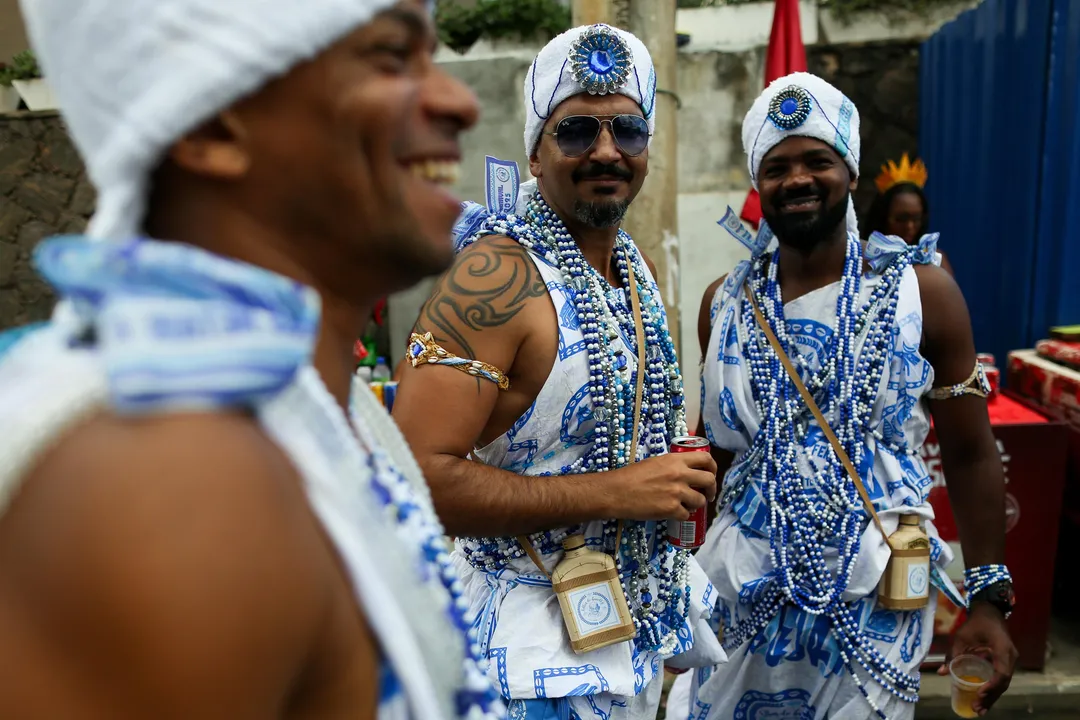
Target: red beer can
985,359
690,533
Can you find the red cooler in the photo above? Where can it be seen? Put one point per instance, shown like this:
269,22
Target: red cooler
1033,453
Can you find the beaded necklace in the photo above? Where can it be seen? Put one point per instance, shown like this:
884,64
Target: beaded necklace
604,317
807,514
407,504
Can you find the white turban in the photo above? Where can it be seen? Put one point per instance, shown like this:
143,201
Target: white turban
598,59
803,105
133,76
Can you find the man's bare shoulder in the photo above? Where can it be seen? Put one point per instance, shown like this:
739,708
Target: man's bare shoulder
483,294
705,312
165,549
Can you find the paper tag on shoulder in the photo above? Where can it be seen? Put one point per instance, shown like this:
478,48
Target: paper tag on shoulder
756,245
734,226
502,185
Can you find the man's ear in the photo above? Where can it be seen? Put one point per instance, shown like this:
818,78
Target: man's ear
534,165
218,148
854,181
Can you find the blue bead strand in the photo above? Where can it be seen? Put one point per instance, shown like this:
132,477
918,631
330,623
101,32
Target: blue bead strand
810,512
604,314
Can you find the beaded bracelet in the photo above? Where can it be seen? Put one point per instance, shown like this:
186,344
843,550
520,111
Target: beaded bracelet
979,578
423,350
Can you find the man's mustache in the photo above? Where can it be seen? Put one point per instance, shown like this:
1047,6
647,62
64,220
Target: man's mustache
595,170
809,193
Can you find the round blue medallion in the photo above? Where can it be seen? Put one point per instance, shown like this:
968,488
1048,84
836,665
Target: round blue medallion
790,107
600,61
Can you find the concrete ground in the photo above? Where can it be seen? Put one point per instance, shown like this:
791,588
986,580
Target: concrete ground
1053,694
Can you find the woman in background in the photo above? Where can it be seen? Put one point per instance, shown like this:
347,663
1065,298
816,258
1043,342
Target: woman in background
900,207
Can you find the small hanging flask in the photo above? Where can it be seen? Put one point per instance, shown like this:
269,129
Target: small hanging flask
906,582
592,600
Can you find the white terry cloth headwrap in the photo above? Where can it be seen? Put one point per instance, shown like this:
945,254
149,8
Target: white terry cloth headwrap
597,59
803,105
133,76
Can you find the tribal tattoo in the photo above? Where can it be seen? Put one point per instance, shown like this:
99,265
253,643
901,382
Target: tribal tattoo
487,286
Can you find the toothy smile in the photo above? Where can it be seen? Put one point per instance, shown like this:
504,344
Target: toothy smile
440,172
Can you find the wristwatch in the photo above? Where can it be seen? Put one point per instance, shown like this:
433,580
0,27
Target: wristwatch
1000,595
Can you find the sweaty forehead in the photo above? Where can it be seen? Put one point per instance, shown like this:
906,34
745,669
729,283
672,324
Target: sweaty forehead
586,104
794,148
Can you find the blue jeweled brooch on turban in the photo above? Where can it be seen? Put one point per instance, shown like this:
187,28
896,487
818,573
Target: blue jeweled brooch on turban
790,107
600,60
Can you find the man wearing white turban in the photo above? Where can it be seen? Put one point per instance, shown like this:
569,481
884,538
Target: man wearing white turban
880,338
190,525
526,409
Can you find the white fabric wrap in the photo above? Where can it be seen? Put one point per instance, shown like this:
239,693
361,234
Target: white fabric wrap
833,119
550,81
132,76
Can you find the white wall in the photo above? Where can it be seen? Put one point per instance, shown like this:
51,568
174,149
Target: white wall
731,28
707,251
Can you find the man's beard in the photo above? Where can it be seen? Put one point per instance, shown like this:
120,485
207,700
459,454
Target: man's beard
600,213
804,231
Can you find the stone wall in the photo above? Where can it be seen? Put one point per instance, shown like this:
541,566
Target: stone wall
43,191
882,79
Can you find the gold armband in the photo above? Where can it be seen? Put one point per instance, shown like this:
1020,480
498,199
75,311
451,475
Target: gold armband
976,384
423,350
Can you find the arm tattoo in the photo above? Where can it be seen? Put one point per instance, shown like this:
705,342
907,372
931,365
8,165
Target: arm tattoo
486,287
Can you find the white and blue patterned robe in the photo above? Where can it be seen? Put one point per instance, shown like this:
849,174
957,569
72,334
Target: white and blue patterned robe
793,669
518,616
171,299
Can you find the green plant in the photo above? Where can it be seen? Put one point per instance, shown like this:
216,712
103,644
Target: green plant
460,26
6,74
24,66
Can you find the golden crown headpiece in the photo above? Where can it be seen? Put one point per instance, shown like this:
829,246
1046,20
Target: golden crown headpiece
905,172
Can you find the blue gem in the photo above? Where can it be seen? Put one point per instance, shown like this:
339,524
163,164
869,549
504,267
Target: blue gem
417,349
600,61
620,361
790,107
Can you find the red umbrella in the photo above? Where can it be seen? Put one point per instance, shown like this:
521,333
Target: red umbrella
786,55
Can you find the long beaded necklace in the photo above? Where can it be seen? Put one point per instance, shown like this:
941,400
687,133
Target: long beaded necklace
407,507
808,514
604,317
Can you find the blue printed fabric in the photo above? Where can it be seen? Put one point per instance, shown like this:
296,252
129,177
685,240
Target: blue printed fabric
518,619
179,327
153,327
793,668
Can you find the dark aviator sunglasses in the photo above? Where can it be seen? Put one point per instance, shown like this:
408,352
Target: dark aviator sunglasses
576,134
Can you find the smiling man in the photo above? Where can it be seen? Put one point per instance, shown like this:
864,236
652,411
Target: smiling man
525,408
881,340
191,526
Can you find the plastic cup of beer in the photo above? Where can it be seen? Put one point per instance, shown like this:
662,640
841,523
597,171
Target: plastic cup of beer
968,674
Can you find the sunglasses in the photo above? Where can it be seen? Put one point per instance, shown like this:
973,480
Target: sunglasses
576,134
